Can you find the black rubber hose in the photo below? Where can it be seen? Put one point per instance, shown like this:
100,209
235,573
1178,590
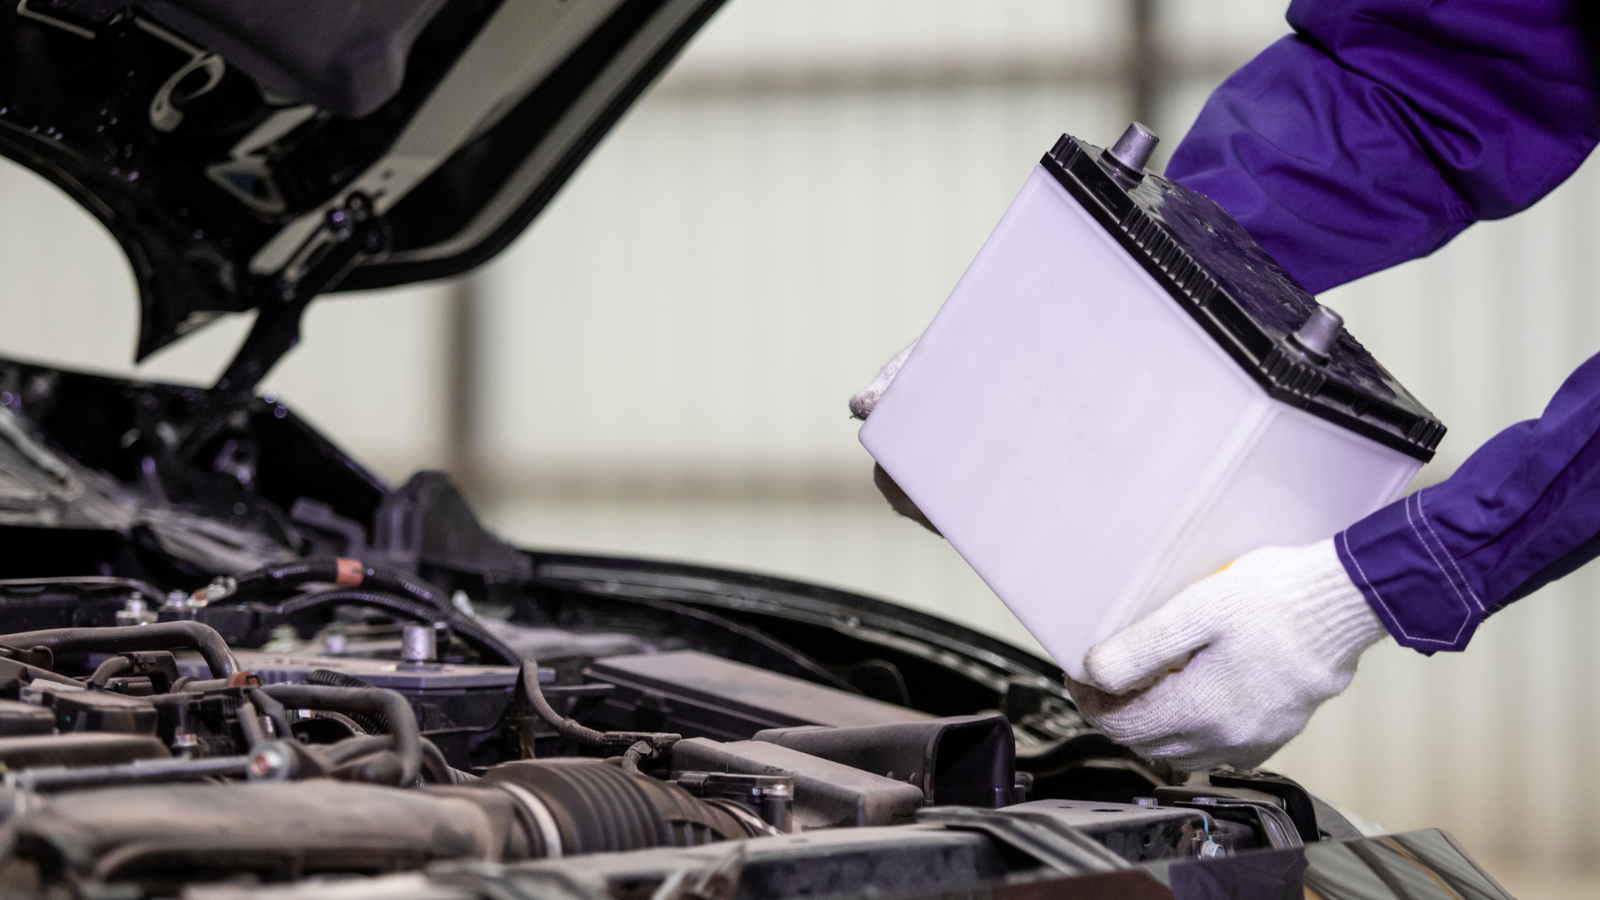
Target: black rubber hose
110,669
275,712
437,770
350,573
387,704
469,630
567,728
250,724
382,767
131,638
636,745
356,747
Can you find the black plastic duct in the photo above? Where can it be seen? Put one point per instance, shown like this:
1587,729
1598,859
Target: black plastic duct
961,760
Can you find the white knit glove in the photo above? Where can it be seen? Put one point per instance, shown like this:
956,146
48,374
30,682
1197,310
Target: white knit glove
1232,668
861,406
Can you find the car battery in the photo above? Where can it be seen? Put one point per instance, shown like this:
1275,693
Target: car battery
1124,393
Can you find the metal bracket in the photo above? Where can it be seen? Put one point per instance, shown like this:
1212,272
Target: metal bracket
165,116
68,27
347,235
1276,825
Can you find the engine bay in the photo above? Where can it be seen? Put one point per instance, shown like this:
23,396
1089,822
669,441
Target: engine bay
235,662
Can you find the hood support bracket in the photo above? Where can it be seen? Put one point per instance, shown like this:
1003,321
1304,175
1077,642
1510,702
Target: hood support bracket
349,236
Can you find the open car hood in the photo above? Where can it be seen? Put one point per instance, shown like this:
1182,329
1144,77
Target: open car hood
251,154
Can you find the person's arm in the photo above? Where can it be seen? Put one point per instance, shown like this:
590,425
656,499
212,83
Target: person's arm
1521,512
1373,136
1383,128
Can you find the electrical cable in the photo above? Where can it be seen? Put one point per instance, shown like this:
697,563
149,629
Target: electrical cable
339,571
639,752
356,728
330,678
419,611
635,746
402,592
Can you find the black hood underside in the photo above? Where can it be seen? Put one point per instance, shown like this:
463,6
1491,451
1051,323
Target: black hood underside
251,154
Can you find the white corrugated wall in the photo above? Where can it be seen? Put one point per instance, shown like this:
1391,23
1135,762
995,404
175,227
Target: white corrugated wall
665,356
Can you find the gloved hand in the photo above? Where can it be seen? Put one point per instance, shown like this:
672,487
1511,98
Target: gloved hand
861,406
1232,668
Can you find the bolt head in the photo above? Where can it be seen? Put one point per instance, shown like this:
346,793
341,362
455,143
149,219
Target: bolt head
270,762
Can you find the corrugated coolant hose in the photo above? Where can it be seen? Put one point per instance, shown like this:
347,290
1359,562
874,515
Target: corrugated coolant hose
330,678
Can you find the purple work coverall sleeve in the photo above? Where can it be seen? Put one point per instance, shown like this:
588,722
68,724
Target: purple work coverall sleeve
1373,135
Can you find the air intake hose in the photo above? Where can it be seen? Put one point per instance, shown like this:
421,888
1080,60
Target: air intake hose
591,806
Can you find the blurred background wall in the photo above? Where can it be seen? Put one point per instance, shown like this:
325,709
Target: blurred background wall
660,365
